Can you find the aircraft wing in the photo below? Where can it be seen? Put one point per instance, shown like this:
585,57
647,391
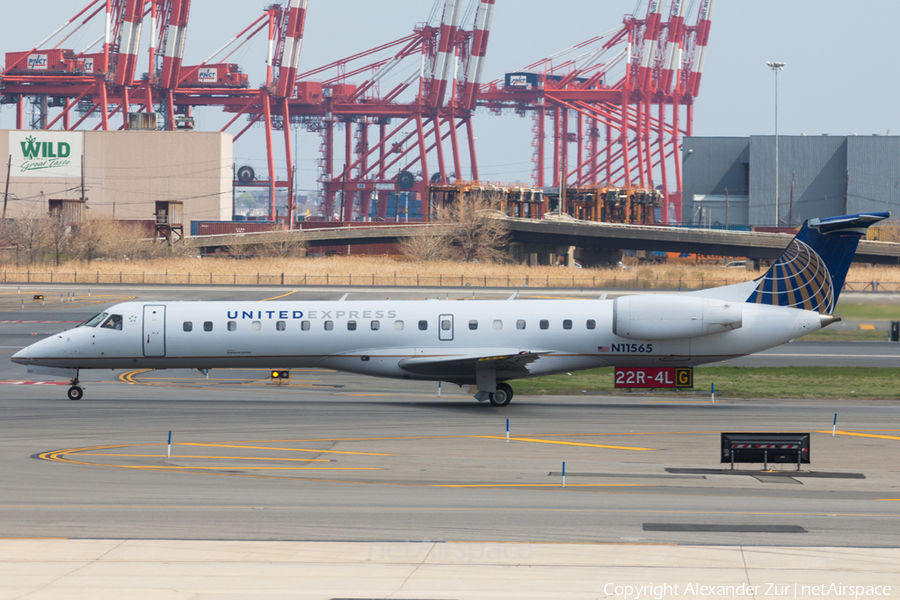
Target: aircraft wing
466,365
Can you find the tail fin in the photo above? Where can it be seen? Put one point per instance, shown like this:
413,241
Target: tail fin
811,271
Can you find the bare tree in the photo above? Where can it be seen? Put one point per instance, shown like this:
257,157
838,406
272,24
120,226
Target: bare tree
28,232
281,244
99,236
426,244
475,228
59,234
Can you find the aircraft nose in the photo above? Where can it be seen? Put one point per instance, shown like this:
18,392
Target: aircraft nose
21,356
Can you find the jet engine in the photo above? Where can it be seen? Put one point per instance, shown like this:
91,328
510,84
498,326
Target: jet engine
646,317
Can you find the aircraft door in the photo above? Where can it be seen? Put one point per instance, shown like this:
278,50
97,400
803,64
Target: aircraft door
445,328
154,330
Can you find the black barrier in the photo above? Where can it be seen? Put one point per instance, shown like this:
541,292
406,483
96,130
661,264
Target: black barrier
765,448
895,331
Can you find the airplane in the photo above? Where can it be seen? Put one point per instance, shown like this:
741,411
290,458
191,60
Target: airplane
480,343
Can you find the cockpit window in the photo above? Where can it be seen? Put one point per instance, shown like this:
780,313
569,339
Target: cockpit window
96,320
113,322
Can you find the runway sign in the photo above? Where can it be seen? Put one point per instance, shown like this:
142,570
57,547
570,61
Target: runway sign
654,377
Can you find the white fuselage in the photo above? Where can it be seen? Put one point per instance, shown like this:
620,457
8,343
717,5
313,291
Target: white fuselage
375,338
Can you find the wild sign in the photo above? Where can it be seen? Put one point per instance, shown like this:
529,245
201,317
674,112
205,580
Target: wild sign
41,154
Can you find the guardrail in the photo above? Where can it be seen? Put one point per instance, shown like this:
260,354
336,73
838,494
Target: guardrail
617,281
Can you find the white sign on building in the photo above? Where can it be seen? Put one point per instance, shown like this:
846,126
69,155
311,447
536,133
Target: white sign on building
41,154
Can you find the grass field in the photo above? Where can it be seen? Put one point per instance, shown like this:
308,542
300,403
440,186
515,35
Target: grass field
874,312
845,383
831,334
384,271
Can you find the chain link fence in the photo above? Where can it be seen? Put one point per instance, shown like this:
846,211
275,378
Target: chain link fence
623,280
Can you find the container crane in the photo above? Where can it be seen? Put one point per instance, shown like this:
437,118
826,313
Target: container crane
409,133
617,88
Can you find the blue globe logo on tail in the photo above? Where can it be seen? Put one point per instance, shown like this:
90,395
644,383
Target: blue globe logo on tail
799,279
810,274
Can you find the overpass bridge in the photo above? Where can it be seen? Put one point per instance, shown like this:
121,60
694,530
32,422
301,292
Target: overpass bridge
542,240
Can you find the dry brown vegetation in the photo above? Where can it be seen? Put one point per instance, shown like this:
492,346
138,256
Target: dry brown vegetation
39,237
467,230
383,271
103,251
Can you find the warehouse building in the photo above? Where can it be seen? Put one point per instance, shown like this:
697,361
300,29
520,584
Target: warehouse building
122,175
732,179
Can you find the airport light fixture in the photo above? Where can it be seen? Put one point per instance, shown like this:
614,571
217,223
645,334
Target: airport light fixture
776,66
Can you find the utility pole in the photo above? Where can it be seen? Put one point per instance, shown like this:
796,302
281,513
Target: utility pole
6,194
776,66
791,213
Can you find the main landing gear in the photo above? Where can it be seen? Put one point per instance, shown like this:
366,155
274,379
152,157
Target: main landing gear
75,392
503,395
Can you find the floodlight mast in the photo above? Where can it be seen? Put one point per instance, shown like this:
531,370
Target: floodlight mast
776,66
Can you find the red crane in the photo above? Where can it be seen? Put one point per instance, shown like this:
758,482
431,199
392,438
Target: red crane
624,91
620,97
69,78
231,91
387,142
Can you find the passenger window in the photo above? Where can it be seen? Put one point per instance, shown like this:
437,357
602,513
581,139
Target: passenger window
398,325
304,325
423,325
376,325
351,325
545,324
520,324
591,324
329,325
188,326
473,325
567,324
280,326
232,326
113,322
255,326
445,324
207,326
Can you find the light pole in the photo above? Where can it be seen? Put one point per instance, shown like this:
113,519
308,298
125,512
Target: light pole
776,66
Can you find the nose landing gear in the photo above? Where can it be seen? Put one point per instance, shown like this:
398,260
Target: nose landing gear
75,392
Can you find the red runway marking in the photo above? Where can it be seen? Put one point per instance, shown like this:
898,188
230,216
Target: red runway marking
11,382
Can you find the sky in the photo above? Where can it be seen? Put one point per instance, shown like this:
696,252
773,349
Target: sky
838,79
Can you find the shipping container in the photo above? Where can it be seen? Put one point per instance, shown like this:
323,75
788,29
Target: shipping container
355,250
788,230
688,258
884,233
232,227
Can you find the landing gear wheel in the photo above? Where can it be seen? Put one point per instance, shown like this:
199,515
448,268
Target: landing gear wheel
75,393
503,395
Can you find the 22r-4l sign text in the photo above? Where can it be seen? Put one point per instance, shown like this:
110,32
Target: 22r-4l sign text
654,377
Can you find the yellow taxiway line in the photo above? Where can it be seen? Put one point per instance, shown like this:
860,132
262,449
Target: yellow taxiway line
537,441
281,296
328,460
865,435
